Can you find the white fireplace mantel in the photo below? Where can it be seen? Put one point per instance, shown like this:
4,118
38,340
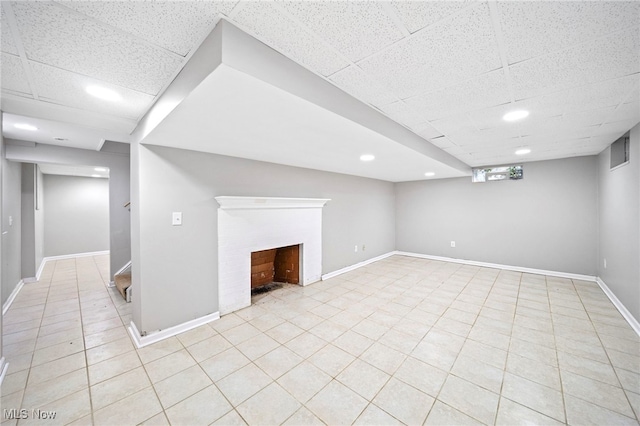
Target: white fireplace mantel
232,202
249,224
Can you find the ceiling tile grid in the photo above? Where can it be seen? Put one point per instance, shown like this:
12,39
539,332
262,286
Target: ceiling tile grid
13,76
485,91
355,82
606,58
560,24
427,131
419,14
355,28
403,113
267,22
169,24
438,56
435,67
6,36
66,88
50,35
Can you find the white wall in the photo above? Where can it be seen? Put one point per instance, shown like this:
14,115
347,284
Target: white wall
115,156
76,215
545,221
175,268
28,238
619,225
11,233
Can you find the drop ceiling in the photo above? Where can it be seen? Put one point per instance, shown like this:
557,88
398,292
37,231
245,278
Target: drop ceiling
447,71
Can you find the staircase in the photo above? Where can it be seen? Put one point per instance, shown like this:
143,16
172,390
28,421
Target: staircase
123,282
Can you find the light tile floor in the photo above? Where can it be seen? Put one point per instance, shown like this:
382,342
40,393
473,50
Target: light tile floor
401,341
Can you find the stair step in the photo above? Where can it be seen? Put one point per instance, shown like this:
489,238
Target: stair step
123,281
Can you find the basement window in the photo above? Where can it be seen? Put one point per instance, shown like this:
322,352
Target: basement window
620,152
492,174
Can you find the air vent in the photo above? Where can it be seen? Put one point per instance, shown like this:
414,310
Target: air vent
620,152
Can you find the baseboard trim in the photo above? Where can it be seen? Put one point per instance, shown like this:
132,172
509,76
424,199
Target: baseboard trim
30,280
357,265
4,366
619,306
12,296
142,341
124,268
558,274
40,269
111,284
73,256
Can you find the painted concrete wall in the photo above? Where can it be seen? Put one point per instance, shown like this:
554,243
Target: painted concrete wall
76,219
176,272
619,225
547,220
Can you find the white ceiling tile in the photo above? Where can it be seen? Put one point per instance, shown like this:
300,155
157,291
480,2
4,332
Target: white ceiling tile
403,114
592,117
439,56
427,131
59,37
66,88
419,14
176,26
355,28
454,124
484,91
605,140
442,142
267,22
590,96
560,24
607,58
455,150
355,82
6,36
618,127
627,112
13,74
489,118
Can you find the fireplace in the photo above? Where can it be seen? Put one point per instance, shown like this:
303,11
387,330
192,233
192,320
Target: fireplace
280,265
252,224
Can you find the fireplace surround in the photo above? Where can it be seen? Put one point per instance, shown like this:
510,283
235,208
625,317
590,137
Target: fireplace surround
250,224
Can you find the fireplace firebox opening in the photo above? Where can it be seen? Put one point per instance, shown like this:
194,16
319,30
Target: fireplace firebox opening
277,265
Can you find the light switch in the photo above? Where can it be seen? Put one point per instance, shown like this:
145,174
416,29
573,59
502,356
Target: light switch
177,219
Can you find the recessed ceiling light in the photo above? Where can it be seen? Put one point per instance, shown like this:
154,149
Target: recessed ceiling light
103,93
25,126
429,174
100,169
523,151
515,115
96,176
367,157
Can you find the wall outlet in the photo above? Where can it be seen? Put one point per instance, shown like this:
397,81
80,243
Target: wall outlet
10,220
356,249
363,247
605,264
453,243
176,219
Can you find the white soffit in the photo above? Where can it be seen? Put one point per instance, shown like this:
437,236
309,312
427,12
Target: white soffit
68,135
78,171
234,114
